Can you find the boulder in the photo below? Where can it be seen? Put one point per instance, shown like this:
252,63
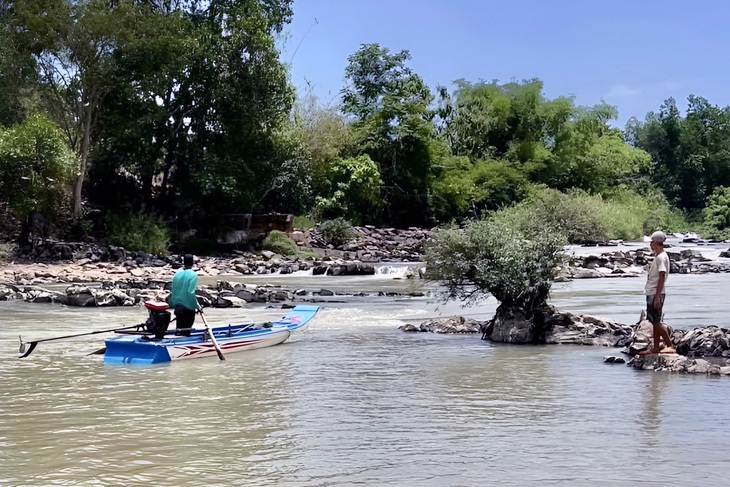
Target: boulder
512,325
450,325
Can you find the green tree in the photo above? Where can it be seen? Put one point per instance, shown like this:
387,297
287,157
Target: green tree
72,45
463,188
691,154
552,142
36,167
492,256
716,215
313,141
208,105
393,125
355,190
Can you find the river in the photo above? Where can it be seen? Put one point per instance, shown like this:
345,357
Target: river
354,401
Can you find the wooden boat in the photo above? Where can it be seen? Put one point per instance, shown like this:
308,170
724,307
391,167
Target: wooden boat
156,346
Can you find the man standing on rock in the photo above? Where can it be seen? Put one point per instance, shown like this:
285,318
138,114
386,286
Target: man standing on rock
182,296
654,290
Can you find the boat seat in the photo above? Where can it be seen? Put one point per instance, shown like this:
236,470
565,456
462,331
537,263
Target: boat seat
156,305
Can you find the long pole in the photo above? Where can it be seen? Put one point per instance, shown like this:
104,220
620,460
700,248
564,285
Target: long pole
212,337
34,343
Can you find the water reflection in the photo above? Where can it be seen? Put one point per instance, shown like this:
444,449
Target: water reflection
651,416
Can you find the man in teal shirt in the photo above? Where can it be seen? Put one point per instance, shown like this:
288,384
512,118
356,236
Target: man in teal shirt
182,296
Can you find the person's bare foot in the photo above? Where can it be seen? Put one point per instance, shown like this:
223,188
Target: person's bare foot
668,350
648,351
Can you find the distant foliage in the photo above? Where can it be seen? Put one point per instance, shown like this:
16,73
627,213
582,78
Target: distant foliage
355,190
589,218
304,222
337,232
280,243
576,215
716,216
5,251
138,232
36,167
462,187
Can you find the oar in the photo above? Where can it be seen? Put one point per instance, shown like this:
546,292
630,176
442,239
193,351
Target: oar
35,343
212,337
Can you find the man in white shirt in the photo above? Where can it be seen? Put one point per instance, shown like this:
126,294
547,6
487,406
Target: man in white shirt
654,290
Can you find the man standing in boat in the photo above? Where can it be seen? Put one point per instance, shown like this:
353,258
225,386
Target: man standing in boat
654,290
182,296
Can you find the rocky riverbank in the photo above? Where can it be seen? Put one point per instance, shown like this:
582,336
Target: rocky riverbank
113,276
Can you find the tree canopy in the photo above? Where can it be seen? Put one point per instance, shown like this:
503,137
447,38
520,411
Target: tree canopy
180,113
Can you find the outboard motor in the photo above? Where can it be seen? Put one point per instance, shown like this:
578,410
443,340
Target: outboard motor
159,318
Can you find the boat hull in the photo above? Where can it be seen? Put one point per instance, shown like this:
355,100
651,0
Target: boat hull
143,350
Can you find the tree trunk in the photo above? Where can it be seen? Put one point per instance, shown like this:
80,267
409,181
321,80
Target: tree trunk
84,154
513,324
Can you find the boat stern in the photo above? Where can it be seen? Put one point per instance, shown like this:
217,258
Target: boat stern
131,350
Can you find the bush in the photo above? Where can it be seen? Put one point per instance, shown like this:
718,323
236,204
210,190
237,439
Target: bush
304,222
716,215
621,213
36,167
464,187
355,189
336,232
576,215
279,242
514,262
630,215
6,250
138,232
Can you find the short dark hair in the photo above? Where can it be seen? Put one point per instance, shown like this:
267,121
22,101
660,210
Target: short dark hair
188,260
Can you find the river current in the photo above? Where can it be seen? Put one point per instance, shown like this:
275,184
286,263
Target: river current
354,401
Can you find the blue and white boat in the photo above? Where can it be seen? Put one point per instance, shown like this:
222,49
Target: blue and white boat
145,348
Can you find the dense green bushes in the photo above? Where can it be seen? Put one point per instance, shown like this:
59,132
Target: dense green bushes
716,215
586,218
36,167
138,232
279,242
336,232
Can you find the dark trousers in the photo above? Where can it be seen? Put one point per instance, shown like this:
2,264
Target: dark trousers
185,318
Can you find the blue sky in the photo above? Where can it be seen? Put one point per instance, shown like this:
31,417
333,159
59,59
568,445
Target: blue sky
633,54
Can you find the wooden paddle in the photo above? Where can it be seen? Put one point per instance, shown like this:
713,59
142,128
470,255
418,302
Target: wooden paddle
34,343
212,337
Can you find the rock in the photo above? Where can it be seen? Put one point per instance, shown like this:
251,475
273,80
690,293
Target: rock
610,359
80,299
281,295
298,237
511,325
704,342
587,274
450,325
246,295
